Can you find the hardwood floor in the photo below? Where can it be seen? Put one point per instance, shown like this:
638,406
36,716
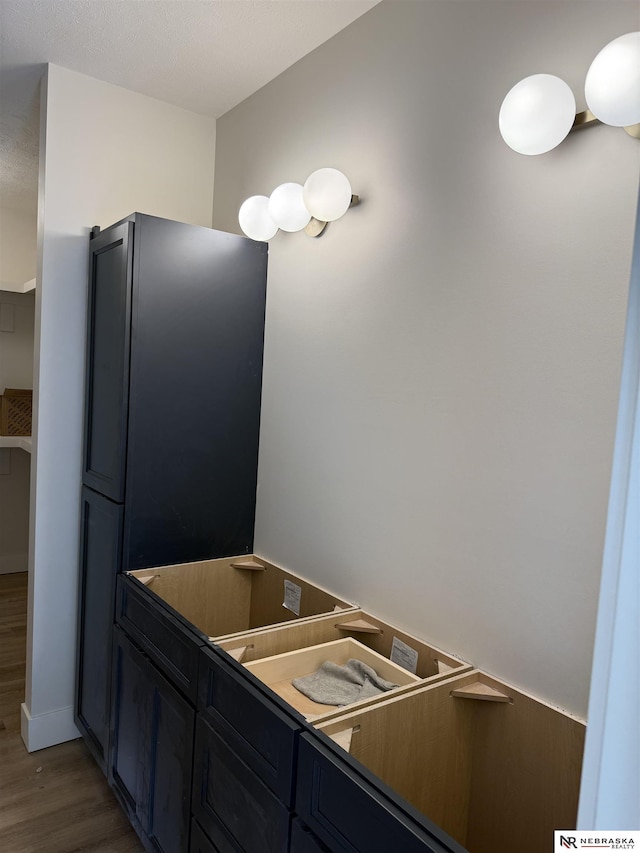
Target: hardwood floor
55,800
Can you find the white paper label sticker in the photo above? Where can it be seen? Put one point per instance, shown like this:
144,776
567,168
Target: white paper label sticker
404,655
292,596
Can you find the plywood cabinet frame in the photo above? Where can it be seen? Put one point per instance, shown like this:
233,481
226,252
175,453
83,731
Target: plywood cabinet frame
478,742
484,771
279,671
221,600
433,664
350,809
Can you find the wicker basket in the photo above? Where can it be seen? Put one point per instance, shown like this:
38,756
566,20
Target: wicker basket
15,411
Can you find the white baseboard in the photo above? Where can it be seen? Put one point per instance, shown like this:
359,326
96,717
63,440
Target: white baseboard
47,729
12,563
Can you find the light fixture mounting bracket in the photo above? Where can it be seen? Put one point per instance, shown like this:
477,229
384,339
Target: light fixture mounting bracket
586,118
316,226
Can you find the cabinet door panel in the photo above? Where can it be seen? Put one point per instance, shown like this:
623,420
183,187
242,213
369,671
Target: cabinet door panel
108,349
196,369
350,814
151,755
200,843
129,720
304,841
100,549
266,736
168,764
171,646
238,812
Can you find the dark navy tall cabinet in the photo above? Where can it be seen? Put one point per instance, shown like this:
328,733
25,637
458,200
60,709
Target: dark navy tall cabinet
172,412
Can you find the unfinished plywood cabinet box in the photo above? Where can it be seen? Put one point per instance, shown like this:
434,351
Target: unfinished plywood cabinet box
279,671
220,599
485,771
165,616
450,760
265,654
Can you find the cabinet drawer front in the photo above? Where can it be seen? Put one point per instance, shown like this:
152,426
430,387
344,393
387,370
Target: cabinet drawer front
238,812
304,841
350,814
169,644
266,736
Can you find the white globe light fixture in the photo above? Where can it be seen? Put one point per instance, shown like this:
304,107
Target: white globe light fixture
612,86
255,219
327,194
537,114
287,208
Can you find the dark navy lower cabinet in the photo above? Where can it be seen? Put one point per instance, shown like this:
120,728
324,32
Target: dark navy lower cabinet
350,813
239,813
239,774
164,637
152,749
265,736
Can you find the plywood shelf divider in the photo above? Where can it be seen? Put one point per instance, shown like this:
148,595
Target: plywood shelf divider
478,690
250,566
359,626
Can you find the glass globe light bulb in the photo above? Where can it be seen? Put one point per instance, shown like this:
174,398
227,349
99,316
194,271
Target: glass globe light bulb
255,220
327,194
612,85
287,208
537,114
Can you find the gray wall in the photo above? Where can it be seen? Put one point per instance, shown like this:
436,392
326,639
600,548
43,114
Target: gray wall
442,366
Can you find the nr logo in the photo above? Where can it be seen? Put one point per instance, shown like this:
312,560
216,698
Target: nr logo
569,842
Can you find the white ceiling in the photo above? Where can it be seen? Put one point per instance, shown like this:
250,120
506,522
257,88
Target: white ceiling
203,55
